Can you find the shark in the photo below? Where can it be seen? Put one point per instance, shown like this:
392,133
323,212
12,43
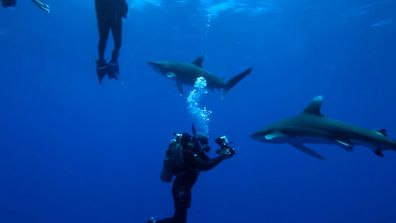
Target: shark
187,73
312,127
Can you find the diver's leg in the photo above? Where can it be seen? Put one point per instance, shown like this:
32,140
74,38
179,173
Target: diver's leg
176,202
182,198
116,29
104,29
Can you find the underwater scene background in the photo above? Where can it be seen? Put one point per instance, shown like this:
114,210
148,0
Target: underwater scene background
72,150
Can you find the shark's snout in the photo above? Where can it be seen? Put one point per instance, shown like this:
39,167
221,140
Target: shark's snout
153,64
256,136
158,66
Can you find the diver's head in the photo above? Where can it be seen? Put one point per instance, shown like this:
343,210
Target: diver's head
184,138
201,142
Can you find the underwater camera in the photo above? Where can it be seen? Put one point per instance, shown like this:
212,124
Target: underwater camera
224,144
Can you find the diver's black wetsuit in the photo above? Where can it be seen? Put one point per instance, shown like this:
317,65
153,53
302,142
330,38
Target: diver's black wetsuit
195,161
109,15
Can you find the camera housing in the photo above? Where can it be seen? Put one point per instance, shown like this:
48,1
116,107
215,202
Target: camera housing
224,144
222,141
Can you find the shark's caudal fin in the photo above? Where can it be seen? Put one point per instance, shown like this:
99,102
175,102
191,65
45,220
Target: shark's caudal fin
235,80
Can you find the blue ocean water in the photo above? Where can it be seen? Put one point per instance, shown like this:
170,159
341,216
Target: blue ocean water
72,150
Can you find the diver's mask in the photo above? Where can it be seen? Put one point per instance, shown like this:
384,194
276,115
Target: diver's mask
182,138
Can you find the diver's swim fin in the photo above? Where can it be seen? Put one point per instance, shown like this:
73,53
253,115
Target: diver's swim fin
101,70
113,71
42,5
101,74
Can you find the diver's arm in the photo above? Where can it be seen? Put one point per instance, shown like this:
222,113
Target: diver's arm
203,164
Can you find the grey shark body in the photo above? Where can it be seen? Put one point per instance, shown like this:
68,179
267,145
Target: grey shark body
187,73
311,127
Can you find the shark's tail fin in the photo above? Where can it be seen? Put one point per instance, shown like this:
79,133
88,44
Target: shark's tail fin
235,80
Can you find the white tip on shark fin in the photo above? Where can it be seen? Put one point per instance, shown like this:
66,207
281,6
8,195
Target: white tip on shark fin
382,132
345,144
314,107
171,75
275,135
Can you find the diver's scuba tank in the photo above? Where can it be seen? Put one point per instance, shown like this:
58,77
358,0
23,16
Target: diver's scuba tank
173,159
167,171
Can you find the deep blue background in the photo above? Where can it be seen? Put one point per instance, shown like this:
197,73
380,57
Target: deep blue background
72,150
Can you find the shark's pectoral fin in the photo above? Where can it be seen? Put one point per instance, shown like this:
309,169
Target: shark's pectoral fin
308,151
171,75
275,135
345,144
179,86
379,153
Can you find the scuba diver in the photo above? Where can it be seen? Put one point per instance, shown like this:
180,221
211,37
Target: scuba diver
12,3
186,157
109,14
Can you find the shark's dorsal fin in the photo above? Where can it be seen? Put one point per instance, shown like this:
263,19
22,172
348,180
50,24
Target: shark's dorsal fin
198,62
382,132
314,107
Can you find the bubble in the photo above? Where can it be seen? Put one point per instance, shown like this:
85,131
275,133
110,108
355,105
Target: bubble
200,115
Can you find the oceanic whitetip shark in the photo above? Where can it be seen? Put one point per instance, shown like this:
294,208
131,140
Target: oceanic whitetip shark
187,73
311,127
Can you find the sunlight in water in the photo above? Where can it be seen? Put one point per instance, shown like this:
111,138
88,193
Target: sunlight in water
140,4
201,115
212,8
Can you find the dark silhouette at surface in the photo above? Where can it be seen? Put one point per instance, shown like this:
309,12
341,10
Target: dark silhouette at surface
109,15
12,3
8,3
195,160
